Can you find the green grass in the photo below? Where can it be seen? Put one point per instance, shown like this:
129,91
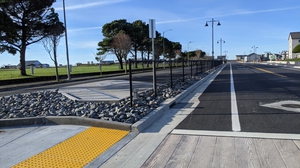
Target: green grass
295,59
6,74
15,73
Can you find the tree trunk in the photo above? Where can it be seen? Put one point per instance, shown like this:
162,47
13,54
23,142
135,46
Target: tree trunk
135,58
125,66
148,59
56,68
22,61
55,58
121,63
142,55
56,71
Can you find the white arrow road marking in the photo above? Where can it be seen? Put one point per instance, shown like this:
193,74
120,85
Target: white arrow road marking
280,105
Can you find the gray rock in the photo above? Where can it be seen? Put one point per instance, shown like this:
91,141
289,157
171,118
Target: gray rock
52,103
130,120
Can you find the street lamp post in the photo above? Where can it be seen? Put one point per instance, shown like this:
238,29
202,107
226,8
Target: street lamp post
164,42
254,49
225,52
212,28
188,52
66,39
221,41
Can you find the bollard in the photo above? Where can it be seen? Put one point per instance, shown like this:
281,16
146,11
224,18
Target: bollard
70,68
32,69
135,93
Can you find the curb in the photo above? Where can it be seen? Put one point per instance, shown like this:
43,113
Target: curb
65,120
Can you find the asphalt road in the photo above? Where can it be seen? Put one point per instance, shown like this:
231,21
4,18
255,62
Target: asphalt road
267,100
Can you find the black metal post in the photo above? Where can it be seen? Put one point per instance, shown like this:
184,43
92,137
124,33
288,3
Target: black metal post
201,66
182,70
207,65
130,83
154,78
171,74
197,66
191,63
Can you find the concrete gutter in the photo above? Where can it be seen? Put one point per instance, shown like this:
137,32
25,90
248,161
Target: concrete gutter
65,120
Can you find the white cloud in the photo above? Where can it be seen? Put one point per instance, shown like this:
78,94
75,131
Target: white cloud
84,29
246,12
238,12
177,20
92,4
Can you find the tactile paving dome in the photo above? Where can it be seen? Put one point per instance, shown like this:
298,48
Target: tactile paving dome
76,151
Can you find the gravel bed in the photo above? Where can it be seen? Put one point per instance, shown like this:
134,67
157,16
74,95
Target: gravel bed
53,103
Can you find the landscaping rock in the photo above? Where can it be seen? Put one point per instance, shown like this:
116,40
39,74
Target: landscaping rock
53,103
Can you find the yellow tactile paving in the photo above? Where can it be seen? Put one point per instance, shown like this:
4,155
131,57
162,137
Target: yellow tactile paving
76,151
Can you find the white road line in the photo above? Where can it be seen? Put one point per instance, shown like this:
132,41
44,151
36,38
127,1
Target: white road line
236,134
234,111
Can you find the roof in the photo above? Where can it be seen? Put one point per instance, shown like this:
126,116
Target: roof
31,62
295,35
27,63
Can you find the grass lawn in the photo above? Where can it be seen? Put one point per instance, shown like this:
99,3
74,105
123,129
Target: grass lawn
295,59
6,74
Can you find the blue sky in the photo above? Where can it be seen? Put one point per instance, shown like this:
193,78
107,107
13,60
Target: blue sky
265,24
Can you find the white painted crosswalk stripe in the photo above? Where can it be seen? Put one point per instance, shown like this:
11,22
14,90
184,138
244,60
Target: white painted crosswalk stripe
234,110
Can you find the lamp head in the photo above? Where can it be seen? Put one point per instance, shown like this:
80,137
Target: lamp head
219,24
206,24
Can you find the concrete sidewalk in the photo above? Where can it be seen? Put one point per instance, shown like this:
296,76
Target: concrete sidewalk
107,90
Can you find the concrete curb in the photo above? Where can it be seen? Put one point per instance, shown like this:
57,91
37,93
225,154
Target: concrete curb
166,105
65,120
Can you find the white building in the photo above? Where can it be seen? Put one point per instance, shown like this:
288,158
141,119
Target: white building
294,40
34,63
253,57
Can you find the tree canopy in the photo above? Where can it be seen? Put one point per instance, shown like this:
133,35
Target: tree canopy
297,49
138,31
121,44
24,22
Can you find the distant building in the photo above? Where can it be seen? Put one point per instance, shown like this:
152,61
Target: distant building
284,54
223,57
240,57
266,56
107,62
35,63
253,57
45,66
9,67
208,57
294,40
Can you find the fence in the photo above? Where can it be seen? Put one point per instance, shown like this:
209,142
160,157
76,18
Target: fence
170,71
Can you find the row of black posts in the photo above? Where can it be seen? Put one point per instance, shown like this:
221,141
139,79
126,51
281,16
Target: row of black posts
203,65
